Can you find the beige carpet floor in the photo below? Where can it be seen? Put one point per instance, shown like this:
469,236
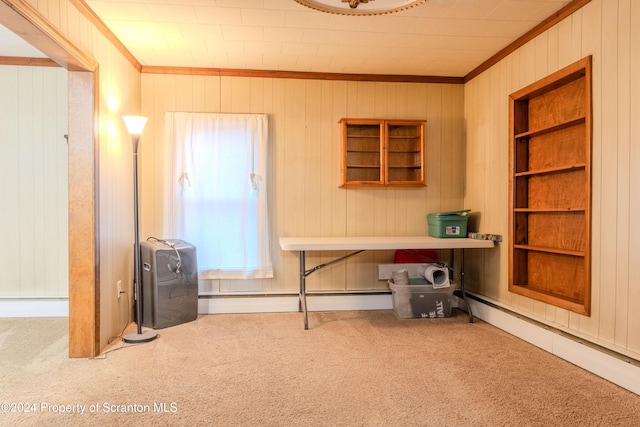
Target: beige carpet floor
364,368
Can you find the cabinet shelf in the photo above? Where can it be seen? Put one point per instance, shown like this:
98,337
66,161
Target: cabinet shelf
550,189
408,138
364,136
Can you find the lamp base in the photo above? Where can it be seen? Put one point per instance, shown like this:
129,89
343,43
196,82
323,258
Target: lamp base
135,337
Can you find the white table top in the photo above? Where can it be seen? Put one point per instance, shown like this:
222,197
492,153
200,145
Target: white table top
379,242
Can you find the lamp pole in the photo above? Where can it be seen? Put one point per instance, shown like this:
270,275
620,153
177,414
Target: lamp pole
135,124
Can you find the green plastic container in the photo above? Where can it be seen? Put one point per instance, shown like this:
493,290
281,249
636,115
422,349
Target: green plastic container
448,224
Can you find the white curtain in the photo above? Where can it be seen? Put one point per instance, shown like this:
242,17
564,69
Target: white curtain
216,191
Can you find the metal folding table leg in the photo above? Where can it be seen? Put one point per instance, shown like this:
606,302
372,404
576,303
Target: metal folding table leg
302,302
462,291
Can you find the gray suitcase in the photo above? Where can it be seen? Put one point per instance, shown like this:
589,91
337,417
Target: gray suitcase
169,282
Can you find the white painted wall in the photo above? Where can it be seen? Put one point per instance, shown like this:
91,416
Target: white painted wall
118,93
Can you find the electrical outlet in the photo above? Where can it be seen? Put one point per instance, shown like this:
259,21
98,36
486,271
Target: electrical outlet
119,288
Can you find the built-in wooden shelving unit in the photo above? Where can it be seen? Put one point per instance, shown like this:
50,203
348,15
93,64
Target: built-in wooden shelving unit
550,189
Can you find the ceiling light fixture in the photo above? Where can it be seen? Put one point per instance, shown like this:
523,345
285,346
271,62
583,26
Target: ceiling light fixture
360,7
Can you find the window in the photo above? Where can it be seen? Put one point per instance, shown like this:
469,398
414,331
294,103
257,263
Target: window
216,191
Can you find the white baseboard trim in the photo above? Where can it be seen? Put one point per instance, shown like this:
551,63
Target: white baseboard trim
36,307
598,362
283,304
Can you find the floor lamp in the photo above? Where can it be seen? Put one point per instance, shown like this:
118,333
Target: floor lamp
135,124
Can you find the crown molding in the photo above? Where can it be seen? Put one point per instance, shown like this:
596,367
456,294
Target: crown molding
88,13
229,72
554,19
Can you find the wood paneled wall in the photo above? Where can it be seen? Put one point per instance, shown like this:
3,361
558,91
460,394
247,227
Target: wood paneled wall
33,171
304,194
610,31
118,93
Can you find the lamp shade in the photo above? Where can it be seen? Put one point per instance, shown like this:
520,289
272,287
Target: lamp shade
135,124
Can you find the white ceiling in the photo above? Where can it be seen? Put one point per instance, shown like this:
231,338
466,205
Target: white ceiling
436,38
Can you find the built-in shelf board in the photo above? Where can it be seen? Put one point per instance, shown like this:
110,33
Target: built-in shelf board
533,210
550,250
550,129
551,170
550,189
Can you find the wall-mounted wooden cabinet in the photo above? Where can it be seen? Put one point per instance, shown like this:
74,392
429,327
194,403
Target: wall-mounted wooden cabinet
550,189
382,153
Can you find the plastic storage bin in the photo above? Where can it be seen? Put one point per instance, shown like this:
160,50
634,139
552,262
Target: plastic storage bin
448,224
421,301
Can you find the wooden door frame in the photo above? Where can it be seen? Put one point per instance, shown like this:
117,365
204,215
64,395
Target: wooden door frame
84,260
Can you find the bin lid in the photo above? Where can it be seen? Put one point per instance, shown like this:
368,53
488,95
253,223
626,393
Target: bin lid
463,212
